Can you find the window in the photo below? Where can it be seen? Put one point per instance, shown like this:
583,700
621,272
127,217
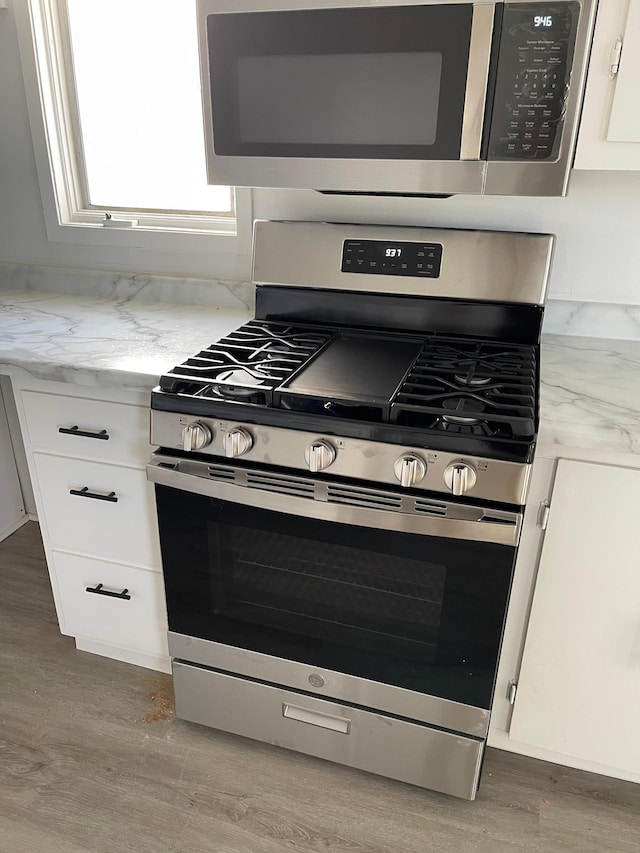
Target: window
120,122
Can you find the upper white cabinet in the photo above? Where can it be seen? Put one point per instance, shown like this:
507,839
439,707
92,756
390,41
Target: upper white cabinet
609,135
578,692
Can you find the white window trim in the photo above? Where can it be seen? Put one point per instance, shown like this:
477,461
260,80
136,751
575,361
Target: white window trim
60,180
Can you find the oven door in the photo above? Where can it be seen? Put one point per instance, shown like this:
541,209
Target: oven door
384,599
386,98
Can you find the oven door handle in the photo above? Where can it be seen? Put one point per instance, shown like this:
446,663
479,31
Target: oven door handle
322,500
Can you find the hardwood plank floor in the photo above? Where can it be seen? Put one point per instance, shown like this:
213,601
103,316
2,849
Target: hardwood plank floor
92,760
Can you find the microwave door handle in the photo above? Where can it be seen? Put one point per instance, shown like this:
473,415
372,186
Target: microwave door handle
477,81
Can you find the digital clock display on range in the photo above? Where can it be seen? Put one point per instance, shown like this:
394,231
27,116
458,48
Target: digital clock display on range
380,257
544,21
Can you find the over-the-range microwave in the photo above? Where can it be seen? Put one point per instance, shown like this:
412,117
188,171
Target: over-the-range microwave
394,96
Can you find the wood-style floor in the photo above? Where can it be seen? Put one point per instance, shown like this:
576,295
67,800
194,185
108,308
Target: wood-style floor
92,759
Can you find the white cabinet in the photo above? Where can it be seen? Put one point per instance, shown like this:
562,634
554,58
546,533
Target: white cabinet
81,426
87,450
578,695
609,136
97,509
12,513
130,614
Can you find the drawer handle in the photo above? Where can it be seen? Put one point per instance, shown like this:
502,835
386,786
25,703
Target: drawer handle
86,433
85,493
315,718
100,590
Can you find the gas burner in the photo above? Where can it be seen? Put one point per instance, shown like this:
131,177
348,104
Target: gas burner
462,411
235,392
239,376
258,354
472,380
475,364
479,388
468,426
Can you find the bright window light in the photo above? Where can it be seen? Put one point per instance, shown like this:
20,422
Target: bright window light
137,81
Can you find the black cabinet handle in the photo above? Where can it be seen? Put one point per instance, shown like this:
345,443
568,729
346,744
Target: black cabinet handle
85,493
86,433
100,590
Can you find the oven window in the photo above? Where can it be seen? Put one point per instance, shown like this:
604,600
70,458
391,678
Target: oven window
325,590
386,82
417,612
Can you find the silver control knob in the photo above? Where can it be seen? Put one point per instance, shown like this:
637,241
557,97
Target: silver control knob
460,477
195,436
237,442
320,455
410,469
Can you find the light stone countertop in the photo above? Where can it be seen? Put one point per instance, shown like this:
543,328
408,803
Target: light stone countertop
104,341
590,392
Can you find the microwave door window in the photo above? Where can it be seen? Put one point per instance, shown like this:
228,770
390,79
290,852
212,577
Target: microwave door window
379,83
339,99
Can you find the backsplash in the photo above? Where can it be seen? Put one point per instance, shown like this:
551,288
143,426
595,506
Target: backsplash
592,319
562,317
129,287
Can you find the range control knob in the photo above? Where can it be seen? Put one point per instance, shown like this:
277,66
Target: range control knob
195,436
320,455
460,477
410,469
237,442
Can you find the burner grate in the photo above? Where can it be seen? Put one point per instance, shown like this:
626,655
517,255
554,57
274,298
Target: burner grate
470,388
248,363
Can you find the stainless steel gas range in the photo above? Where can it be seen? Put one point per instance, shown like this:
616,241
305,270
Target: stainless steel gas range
340,486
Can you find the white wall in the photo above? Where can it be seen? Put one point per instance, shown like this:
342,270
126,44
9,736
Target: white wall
598,225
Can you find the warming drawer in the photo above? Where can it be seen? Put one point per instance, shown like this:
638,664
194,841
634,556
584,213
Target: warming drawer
431,758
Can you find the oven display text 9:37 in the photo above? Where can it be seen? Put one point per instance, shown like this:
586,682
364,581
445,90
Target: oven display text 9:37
381,258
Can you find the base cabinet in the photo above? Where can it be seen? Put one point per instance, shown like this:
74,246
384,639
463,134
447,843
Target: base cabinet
12,511
111,603
578,693
97,514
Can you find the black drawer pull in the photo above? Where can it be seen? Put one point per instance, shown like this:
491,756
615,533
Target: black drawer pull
75,430
100,590
85,493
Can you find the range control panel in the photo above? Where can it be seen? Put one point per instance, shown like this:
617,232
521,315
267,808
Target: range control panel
536,52
380,257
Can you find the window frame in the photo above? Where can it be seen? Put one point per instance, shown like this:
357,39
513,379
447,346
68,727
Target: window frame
45,51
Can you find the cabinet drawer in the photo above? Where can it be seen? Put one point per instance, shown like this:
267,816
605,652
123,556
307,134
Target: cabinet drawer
114,519
358,738
98,430
138,622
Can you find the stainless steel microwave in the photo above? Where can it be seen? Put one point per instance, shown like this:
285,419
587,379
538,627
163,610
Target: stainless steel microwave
394,96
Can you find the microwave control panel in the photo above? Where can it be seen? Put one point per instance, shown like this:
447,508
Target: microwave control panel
380,257
534,65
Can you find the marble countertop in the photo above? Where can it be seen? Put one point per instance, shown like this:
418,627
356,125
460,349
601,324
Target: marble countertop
105,341
590,391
